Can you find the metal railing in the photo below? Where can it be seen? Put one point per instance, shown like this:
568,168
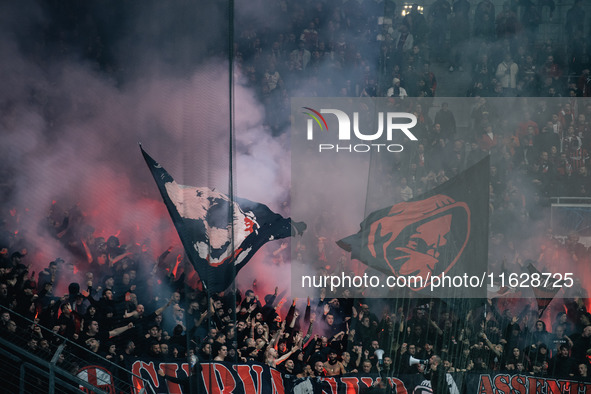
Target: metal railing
58,365
571,214
26,373
571,200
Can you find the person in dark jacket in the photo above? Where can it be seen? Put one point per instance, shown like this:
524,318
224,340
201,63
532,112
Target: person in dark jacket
562,365
437,376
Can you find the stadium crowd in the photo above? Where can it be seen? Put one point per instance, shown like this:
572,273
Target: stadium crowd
135,303
378,49
123,316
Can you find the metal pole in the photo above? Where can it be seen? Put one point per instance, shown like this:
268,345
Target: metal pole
21,386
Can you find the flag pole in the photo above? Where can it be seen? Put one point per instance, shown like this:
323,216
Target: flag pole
231,150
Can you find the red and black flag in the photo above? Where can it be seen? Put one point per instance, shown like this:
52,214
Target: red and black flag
444,231
546,289
216,247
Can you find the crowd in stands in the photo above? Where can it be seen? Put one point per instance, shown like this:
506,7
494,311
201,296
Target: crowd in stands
369,49
134,303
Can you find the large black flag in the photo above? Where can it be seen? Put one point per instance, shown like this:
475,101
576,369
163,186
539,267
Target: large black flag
442,232
202,219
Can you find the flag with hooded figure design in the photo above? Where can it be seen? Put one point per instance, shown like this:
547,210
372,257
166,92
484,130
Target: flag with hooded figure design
443,232
202,219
